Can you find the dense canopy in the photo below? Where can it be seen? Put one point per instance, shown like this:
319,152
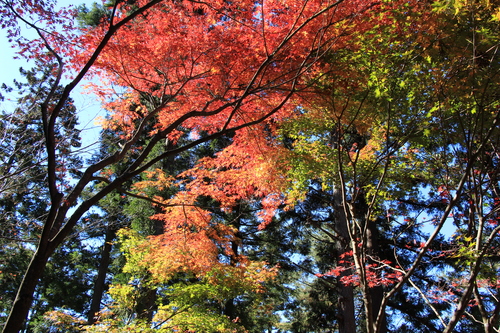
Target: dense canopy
271,165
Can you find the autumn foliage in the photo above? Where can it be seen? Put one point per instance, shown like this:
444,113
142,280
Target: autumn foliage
374,122
314,72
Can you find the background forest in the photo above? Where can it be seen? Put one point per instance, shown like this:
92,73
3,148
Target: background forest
262,166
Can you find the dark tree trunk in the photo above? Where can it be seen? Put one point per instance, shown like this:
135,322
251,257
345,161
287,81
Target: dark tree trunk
377,292
346,317
146,306
100,282
24,297
229,306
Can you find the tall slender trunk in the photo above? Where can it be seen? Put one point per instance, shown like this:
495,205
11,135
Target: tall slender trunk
100,282
147,303
345,318
229,306
346,315
377,292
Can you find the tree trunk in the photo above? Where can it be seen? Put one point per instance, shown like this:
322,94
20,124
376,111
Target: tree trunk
377,292
100,282
229,306
146,305
345,317
24,298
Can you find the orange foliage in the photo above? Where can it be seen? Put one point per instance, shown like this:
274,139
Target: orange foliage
208,67
219,64
245,170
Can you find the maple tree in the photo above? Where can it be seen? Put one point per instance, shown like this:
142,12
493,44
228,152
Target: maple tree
192,294
407,157
180,68
401,117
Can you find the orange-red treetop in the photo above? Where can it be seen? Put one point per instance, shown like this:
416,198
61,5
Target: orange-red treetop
212,66
226,63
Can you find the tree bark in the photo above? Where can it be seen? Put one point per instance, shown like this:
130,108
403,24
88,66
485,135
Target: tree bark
377,292
345,317
100,282
24,297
